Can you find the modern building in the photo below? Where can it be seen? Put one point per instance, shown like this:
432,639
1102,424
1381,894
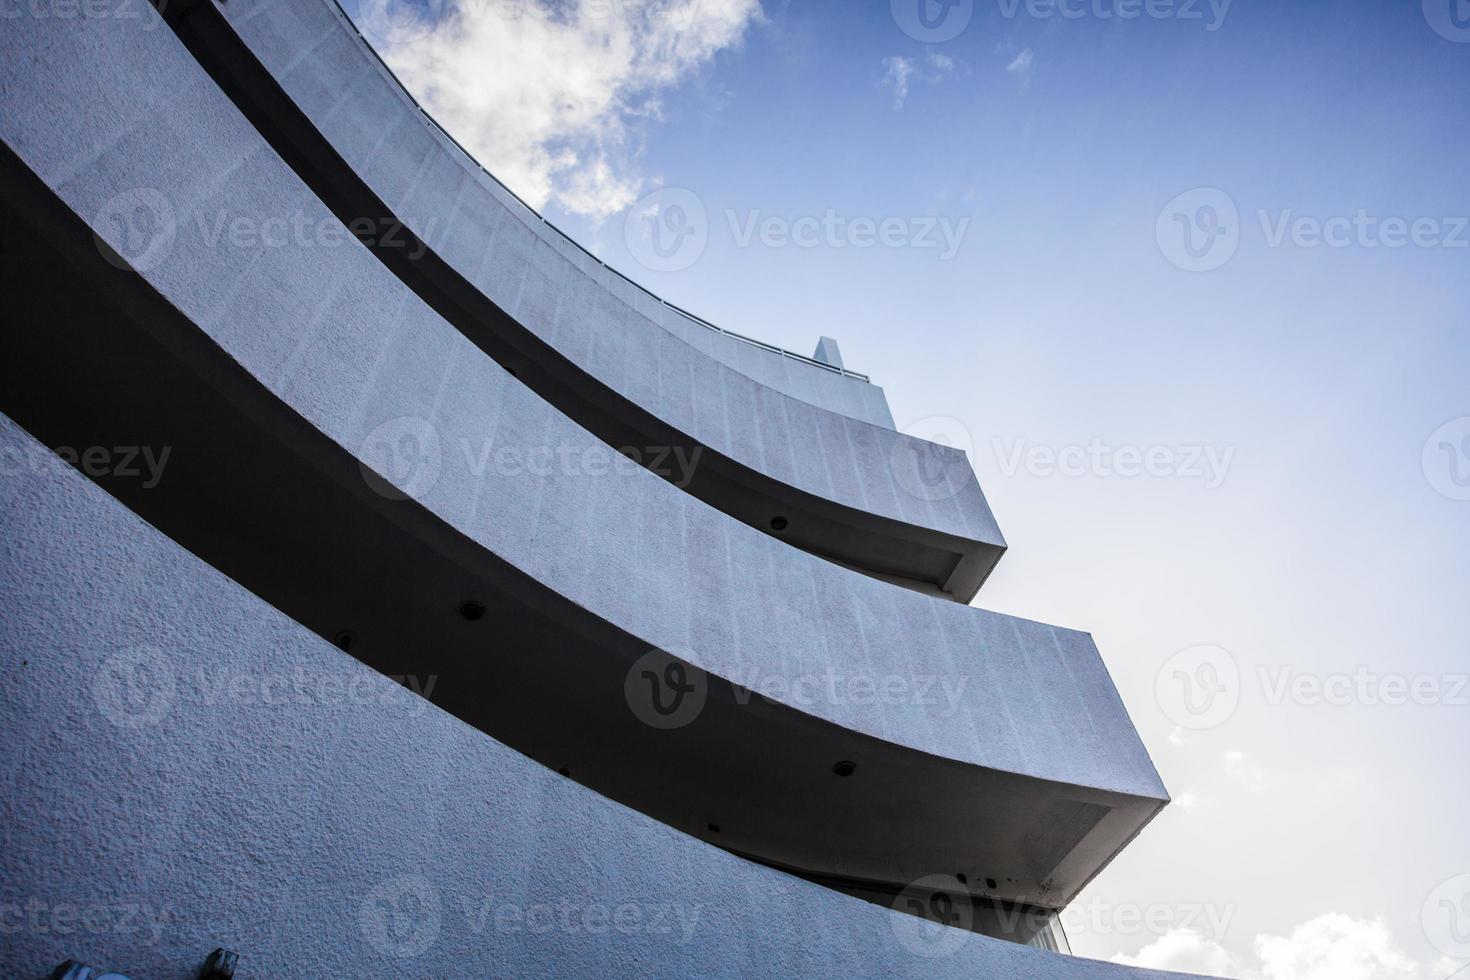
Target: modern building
393,589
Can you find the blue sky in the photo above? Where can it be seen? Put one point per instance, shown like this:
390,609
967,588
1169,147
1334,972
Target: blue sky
1324,541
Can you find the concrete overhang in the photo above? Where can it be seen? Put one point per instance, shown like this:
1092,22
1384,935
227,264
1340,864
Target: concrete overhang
287,826
806,450
264,369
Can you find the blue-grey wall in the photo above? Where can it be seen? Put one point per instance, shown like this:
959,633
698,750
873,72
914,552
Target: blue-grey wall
826,434
182,767
189,768
341,341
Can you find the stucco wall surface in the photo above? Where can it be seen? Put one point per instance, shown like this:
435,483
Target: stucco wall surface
331,333
317,54
183,767
823,433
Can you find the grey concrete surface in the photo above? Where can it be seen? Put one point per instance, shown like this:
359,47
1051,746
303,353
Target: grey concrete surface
316,53
828,352
256,491
351,350
816,431
183,767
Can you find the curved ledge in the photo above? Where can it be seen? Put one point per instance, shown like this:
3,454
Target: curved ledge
378,806
873,499
269,32
1031,775
282,508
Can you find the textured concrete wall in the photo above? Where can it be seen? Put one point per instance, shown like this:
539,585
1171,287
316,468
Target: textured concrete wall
182,767
354,352
316,54
820,432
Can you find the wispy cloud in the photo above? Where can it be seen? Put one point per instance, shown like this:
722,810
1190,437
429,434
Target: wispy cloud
550,97
1020,65
1253,777
898,72
1186,951
1329,947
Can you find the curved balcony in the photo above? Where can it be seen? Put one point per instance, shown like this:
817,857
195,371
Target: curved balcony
236,781
292,41
787,445
337,449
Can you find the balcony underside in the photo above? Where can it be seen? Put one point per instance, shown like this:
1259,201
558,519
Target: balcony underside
875,500
337,835
262,369
95,357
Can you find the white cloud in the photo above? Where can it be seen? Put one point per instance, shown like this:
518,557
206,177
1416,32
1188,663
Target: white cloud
1329,947
1254,778
899,71
1335,947
1185,951
896,74
1021,64
549,96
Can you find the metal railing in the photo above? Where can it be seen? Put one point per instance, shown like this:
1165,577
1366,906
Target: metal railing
572,241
